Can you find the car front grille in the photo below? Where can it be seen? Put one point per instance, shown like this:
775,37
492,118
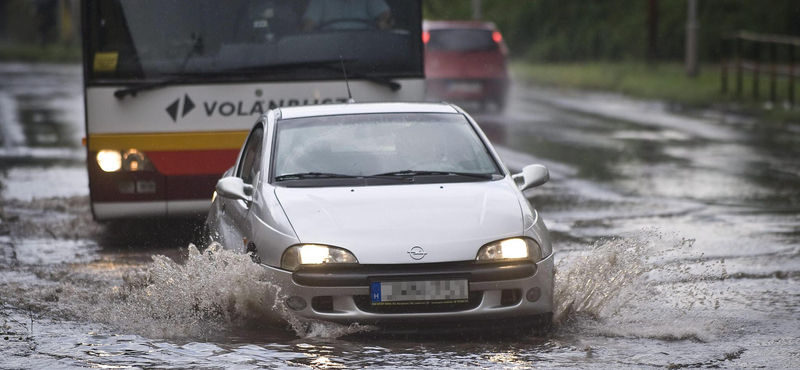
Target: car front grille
362,275
363,304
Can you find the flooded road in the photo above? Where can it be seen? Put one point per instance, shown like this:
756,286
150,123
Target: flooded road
677,238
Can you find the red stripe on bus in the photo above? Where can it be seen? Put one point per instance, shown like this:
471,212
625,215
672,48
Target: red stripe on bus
108,186
193,162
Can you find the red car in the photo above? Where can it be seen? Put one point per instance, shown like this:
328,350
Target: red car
465,61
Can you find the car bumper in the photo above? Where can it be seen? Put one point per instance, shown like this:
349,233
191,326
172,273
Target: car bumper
346,295
466,89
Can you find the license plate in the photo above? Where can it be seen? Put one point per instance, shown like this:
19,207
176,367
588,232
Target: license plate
419,292
145,187
465,87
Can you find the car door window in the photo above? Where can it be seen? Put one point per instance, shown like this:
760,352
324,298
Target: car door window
251,156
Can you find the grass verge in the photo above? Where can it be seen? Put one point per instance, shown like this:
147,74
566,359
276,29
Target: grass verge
668,82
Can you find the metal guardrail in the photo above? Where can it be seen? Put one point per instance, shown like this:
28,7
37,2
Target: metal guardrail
753,43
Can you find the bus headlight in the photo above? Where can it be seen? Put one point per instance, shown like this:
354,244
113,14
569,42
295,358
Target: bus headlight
130,160
314,254
510,249
109,160
134,160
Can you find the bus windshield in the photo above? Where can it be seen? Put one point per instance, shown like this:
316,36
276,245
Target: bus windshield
246,40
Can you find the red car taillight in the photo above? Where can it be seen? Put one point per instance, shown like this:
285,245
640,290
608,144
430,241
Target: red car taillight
496,36
426,36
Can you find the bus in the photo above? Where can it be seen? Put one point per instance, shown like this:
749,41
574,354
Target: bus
173,86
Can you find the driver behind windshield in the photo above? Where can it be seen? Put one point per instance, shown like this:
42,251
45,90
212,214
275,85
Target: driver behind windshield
269,20
347,15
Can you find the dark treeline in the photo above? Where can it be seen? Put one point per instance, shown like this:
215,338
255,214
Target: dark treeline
579,30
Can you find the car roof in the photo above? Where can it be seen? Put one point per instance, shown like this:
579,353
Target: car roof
440,25
364,108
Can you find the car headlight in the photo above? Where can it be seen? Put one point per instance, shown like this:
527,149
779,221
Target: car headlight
315,254
510,249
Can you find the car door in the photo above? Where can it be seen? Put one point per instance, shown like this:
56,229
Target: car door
247,169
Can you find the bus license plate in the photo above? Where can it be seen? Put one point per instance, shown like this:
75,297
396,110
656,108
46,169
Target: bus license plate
419,292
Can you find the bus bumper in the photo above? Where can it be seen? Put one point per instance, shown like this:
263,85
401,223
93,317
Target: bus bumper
171,208
149,194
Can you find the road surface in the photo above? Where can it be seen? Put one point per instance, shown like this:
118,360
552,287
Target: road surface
677,238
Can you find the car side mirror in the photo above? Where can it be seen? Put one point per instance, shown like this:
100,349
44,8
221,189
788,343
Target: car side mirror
532,176
234,188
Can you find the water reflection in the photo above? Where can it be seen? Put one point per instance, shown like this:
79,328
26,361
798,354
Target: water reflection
732,188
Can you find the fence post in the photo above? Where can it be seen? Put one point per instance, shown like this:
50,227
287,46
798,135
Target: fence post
773,72
756,56
738,67
791,76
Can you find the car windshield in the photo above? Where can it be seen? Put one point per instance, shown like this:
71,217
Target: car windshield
380,144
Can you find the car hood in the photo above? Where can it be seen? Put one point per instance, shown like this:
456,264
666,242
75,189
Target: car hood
380,224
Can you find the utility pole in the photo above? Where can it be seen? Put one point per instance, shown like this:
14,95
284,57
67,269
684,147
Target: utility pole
652,32
3,21
476,10
691,39
60,34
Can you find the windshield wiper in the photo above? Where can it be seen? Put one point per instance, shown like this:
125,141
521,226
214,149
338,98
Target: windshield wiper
184,77
434,173
133,90
328,65
197,47
323,175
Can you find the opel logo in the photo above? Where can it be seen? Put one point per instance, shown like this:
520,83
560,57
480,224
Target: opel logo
417,253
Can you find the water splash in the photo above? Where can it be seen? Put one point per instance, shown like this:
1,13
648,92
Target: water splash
650,285
647,285
208,295
587,283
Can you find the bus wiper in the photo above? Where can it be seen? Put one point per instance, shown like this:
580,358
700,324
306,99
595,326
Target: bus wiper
184,77
197,47
429,173
329,65
322,175
133,90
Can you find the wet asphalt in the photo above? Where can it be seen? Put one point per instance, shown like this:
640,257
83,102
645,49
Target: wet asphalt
677,237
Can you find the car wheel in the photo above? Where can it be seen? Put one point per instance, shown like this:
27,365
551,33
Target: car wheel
253,252
202,236
542,323
482,106
501,104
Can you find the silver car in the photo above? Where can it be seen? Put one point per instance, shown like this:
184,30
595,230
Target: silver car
390,214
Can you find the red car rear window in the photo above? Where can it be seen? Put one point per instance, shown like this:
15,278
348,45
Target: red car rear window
461,40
